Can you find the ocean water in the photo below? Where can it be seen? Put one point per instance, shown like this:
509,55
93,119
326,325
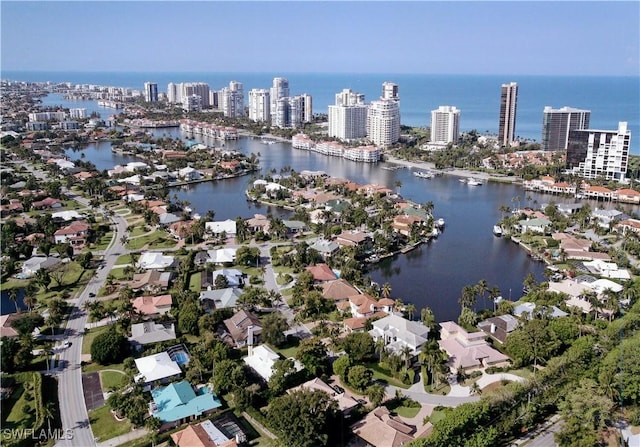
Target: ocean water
610,99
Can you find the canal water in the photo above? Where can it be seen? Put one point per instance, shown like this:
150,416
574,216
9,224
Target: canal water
434,274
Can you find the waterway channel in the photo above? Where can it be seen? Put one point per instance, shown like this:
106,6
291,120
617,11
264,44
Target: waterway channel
432,275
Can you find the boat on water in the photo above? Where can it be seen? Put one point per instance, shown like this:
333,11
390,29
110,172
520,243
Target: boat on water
435,232
497,230
440,223
473,182
423,174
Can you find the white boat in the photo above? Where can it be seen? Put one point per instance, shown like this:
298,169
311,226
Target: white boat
497,230
462,180
440,223
435,232
423,174
473,182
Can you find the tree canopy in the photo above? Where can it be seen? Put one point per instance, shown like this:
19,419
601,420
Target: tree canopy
109,347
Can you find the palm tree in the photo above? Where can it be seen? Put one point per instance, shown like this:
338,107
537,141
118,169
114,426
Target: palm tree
406,353
475,388
468,297
483,287
410,309
376,394
386,290
48,411
593,299
427,318
494,292
612,304
13,296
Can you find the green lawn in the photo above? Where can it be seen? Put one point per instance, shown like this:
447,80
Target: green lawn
289,351
89,336
104,241
138,230
96,367
157,239
12,283
407,412
380,373
105,426
111,379
437,415
195,282
16,416
124,259
118,273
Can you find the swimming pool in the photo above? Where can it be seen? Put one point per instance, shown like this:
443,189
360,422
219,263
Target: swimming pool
181,358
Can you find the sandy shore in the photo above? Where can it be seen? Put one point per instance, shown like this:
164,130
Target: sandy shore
456,172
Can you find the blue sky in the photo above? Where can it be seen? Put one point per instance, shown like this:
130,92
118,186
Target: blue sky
555,38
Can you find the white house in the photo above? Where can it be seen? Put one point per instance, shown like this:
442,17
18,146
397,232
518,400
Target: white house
222,255
31,266
152,260
218,227
262,359
156,367
189,173
398,332
536,225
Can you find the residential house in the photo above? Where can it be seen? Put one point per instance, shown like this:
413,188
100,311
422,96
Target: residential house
321,273
66,215
294,227
258,223
181,229
75,234
607,269
521,307
345,402
338,290
353,238
13,207
575,248
575,291
217,228
48,203
499,327
204,434
240,326
262,360
152,306
597,192
627,195
219,298
150,332
166,219
222,256
605,218
151,280
156,368
178,402
234,278
325,247
154,260
629,225
403,223
535,225
32,265
6,330
469,351
380,429
189,174
364,305
398,333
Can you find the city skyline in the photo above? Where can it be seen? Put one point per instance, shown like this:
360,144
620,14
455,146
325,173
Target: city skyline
511,38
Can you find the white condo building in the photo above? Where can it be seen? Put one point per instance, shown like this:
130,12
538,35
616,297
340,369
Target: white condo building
596,154
348,116
231,100
557,123
445,125
192,103
508,107
383,122
78,113
279,90
259,105
176,93
390,91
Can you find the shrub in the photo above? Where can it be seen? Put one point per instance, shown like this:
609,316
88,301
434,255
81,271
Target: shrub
109,347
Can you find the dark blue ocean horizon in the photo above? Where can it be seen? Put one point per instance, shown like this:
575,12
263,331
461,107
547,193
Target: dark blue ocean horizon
611,99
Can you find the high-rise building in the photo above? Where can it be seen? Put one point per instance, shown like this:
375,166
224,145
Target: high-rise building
389,91
307,108
150,92
192,103
196,88
348,117
445,125
174,93
232,100
508,105
259,105
383,117
599,153
557,123
279,90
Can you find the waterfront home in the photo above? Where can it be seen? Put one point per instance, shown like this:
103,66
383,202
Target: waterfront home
468,350
380,429
597,192
178,402
157,261
219,298
321,273
567,209
403,224
204,434
325,247
180,230
522,307
352,238
548,184
294,227
535,225
156,367
217,228
605,218
398,332
165,219
499,327
151,332
576,248
338,290
240,327
258,223
231,166
345,403
607,269
626,195
189,174
364,305
575,291
32,265
152,306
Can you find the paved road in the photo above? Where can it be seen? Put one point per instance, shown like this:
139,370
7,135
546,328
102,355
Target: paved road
73,410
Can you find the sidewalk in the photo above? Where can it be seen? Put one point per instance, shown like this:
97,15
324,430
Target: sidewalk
134,434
